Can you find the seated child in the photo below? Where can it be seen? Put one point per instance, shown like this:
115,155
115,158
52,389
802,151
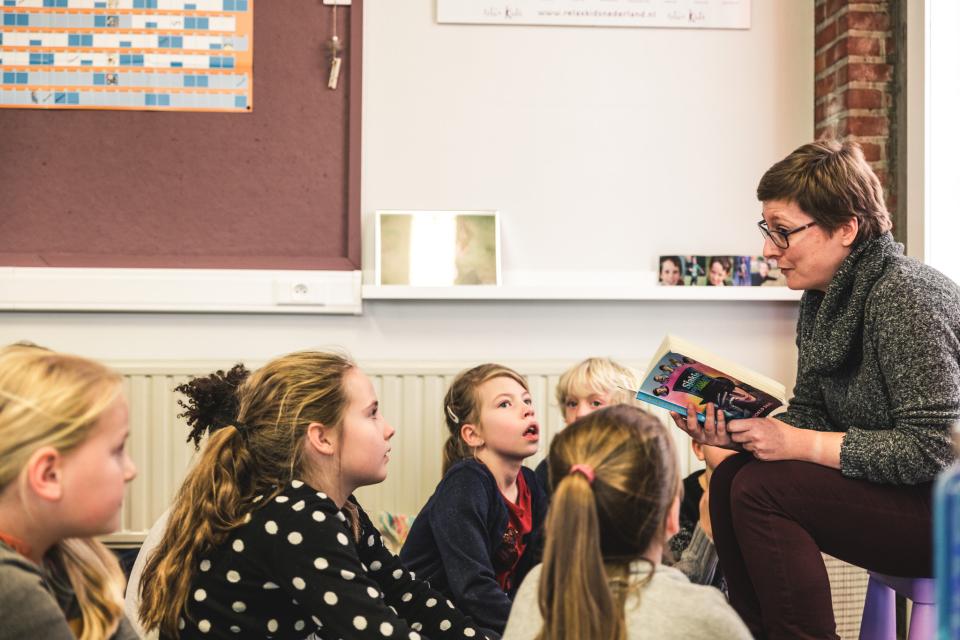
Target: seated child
264,538
63,467
590,385
479,532
693,544
615,504
203,420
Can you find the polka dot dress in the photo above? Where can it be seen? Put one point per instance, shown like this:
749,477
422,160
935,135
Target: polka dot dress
294,571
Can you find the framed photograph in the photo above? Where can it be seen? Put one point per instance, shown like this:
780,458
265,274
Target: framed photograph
437,248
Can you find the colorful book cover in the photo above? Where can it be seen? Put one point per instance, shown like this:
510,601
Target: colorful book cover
675,379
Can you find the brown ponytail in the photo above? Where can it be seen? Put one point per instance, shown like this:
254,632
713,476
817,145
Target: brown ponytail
259,454
596,527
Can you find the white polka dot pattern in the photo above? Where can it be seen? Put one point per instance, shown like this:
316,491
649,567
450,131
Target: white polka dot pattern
361,589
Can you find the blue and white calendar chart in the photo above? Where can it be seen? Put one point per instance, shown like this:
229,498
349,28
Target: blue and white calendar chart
157,55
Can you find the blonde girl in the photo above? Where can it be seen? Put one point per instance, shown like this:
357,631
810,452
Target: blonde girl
480,531
63,467
614,506
264,538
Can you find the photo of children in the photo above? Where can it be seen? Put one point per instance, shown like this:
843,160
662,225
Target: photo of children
694,270
719,271
766,273
671,271
741,271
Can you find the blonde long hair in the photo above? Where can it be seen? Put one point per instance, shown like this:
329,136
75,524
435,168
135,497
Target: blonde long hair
461,405
595,529
50,399
261,452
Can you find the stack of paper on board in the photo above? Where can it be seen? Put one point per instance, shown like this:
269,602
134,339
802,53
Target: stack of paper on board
681,373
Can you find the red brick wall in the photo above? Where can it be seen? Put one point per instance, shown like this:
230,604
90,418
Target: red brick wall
854,67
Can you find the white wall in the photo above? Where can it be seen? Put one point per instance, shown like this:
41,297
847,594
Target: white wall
601,148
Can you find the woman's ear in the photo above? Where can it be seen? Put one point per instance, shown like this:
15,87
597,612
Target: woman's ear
471,435
848,231
672,524
321,439
45,474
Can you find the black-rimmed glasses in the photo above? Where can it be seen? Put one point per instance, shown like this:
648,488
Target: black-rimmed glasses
780,238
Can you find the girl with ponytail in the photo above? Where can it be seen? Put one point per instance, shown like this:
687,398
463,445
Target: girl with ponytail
63,467
614,505
480,531
264,538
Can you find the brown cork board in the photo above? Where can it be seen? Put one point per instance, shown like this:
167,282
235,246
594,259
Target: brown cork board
276,188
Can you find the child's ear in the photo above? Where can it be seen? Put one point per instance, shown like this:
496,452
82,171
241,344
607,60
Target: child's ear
321,439
471,435
45,474
672,525
697,449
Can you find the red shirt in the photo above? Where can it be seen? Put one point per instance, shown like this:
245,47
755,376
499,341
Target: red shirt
512,545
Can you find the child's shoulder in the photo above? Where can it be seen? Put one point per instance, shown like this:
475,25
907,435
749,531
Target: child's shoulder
30,609
469,472
296,503
16,568
673,590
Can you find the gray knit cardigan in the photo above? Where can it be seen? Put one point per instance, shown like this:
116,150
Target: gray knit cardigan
880,361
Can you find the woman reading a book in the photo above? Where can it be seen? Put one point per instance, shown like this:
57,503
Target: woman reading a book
847,469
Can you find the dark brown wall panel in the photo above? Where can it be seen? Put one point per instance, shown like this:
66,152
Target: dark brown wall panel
276,188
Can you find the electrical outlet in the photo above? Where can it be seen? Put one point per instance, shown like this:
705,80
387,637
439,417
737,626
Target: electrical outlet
300,291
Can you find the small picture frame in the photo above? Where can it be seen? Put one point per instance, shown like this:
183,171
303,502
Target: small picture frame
437,248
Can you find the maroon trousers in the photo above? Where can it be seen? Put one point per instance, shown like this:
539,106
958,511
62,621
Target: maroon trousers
771,520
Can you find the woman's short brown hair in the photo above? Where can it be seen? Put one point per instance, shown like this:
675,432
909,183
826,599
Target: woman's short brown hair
832,182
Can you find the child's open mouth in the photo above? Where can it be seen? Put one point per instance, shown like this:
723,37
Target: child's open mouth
532,432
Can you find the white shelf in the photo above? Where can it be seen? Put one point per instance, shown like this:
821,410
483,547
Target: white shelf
180,290
579,292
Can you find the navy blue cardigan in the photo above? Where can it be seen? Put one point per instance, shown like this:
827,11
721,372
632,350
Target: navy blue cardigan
458,531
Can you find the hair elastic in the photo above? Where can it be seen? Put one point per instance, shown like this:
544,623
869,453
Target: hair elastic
584,469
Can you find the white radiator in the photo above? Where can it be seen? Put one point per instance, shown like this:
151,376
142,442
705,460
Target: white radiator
411,397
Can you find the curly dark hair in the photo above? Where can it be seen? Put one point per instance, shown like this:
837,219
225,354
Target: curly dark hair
211,402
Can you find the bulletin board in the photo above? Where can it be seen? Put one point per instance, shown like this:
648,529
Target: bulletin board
273,187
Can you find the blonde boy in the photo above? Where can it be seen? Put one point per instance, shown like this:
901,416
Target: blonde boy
588,386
